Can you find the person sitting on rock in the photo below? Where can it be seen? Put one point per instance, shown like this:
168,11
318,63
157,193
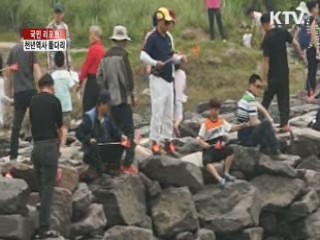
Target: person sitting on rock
96,130
260,133
212,138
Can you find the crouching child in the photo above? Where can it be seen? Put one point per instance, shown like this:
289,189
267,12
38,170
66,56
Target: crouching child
97,133
212,138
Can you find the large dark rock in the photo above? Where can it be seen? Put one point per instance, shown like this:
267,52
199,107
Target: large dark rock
27,173
269,223
70,177
128,233
305,143
302,208
229,210
173,172
310,163
16,227
14,195
174,212
246,160
93,223
308,228
81,201
153,187
206,234
123,199
268,166
188,145
312,178
278,192
190,128
61,211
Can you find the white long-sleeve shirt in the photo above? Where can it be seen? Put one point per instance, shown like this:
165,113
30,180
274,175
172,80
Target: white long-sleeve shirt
4,100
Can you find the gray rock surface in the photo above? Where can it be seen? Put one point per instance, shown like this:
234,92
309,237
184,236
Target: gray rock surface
123,199
16,227
174,212
173,172
274,195
93,223
128,233
61,211
229,210
81,200
14,195
206,234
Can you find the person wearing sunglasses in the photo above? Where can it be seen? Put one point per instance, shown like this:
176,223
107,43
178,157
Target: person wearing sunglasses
260,133
158,52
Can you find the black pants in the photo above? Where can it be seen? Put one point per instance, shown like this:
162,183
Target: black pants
215,13
91,93
22,102
264,136
45,160
280,88
312,69
123,118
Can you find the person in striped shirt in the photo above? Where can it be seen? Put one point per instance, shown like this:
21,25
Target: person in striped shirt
260,133
212,138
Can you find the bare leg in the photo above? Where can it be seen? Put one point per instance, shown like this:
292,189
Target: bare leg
176,127
213,171
228,164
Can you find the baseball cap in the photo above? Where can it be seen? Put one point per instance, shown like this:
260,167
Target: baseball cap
104,97
164,14
58,7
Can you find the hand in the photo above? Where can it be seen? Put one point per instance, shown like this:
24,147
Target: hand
207,146
160,64
79,88
184,59
93,141
133,101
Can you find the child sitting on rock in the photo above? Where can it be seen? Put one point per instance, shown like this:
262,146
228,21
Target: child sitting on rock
212,138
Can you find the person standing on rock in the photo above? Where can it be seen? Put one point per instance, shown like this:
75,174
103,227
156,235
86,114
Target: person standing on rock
214,11
22,72
159,54
115,74
97,127
58,24
260,133
275,68
64,81
212,138
46,128
88,76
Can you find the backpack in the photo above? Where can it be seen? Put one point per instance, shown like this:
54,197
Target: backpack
304,37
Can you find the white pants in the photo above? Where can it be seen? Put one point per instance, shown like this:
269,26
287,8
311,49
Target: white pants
178,111
162,109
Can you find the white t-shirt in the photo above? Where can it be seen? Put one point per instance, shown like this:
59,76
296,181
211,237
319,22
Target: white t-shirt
63,82
180,83
257,18
4,99
246,40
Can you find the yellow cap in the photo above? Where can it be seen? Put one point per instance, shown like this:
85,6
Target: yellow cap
164,14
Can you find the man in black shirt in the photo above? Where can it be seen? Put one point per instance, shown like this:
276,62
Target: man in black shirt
46,123
275,67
